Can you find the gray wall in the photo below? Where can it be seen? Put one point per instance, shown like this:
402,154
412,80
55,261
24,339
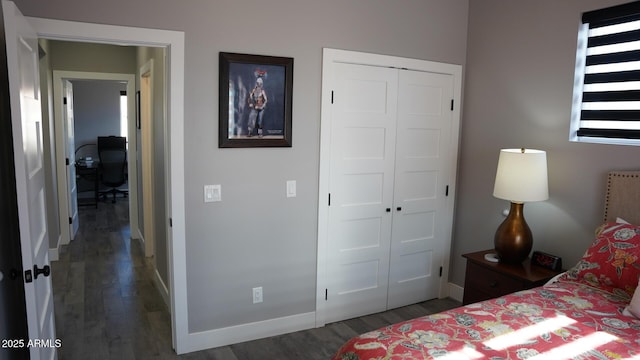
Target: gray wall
518,92
256,236
75,56
96,112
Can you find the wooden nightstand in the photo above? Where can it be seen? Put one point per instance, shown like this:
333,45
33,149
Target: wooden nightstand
486,280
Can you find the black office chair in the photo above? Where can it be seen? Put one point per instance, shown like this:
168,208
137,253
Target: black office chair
112,152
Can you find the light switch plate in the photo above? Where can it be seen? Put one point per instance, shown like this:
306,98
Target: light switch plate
291,188
212,193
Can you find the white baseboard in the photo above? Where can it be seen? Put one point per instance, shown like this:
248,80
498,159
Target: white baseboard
140,239
247,332
54,252
162,287
257,330
456,292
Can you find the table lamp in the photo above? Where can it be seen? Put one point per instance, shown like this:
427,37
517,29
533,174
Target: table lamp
521,177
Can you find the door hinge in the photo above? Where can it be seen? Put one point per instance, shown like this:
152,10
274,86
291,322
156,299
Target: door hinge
446,191
64,100
329,199
70,220
440,271
326,294
451,104
332,96
66,161
170,222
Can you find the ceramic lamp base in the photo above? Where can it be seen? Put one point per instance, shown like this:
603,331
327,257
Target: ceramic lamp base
513,240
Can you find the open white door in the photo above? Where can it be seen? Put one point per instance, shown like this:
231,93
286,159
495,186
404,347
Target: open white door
72,194
24,89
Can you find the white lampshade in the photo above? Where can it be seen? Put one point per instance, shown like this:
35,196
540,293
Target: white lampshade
521,175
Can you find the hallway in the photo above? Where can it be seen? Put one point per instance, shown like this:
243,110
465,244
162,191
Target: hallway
105,300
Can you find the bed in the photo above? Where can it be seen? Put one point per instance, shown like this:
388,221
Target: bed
592,311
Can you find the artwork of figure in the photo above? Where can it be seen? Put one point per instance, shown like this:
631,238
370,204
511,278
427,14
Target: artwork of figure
257,102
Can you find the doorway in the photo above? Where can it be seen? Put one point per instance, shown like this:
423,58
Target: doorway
173,42
66,151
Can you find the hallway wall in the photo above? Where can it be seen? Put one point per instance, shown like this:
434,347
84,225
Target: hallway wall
96,111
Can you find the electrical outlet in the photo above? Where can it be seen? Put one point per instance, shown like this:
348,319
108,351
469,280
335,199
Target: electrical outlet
257,295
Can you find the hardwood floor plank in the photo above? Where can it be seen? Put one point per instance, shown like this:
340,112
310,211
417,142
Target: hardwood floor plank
107,305
303,345
330,337
260,349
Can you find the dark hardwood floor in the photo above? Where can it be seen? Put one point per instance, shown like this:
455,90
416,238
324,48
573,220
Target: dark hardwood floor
107,306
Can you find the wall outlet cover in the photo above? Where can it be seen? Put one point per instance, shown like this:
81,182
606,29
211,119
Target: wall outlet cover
257,294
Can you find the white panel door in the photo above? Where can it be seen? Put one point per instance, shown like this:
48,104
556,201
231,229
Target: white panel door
363,130
69,125
22,65
422,170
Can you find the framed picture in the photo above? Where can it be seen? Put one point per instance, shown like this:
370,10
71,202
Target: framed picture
255,101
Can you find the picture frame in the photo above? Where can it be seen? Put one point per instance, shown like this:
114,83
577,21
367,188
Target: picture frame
255,101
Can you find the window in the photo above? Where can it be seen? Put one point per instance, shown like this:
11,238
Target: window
606,95
123,114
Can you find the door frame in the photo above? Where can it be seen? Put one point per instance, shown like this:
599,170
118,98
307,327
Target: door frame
330,56
60,145
174,42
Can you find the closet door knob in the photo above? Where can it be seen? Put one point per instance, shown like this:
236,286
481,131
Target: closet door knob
388,209
399,208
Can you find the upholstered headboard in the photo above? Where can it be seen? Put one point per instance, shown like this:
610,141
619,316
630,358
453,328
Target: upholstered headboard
623,196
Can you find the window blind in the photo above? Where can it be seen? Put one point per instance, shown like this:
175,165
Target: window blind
608,67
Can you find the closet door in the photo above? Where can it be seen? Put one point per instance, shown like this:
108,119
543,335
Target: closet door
363,131
422,167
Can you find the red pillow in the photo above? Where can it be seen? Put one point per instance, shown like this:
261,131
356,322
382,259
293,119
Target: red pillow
612,262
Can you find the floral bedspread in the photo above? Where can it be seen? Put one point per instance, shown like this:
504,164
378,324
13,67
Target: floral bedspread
564,320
